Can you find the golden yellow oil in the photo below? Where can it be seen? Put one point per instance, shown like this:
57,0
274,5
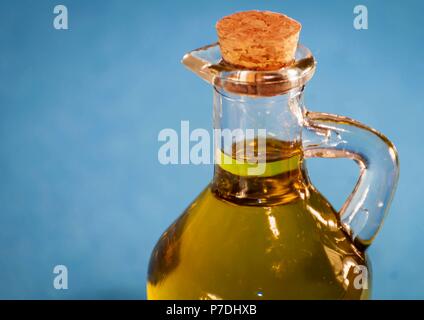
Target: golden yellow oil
247,237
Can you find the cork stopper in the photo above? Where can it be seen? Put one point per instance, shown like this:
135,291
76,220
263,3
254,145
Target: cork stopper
258,40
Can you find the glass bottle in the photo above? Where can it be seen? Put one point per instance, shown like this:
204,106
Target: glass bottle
270,234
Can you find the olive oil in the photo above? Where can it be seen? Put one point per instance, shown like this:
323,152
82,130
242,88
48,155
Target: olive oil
269,233
259,237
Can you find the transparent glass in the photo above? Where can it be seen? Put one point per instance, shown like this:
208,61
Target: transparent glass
271,234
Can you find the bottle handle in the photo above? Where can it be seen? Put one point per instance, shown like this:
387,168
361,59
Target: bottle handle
332,136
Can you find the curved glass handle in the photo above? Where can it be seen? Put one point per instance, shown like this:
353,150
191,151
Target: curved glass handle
332,136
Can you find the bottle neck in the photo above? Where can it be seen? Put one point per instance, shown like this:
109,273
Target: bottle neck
258,154
279,116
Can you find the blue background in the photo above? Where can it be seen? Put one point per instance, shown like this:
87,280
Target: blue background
81,109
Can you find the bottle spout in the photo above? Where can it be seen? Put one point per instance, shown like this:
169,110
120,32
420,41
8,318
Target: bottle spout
208,64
